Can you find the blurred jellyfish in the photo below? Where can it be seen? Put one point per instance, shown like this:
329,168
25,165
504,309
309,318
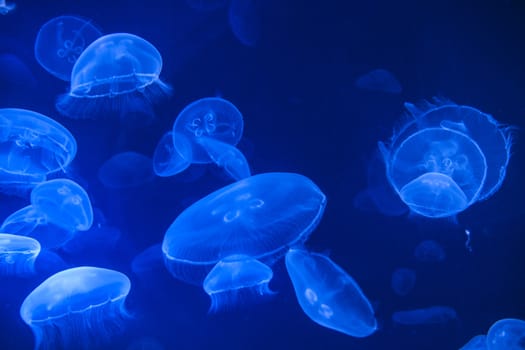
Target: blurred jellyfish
328,295
125,170
17,255
506,334
257,218
148,260
245,21
5,8
429,315
478,342
403,281
15,73
429,251
227,157
116,74
211,117
206,5
60,41
446,157
76,308
168,160
379,80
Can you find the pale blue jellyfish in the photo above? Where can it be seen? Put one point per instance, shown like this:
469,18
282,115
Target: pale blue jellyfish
168,160
125,170
257,218
506,334
5,8
446,157
60,41
17,255
328,295
429,315
212,117
478,342
379,80
227,157
78,308
403,281
245,21
116,74
429,251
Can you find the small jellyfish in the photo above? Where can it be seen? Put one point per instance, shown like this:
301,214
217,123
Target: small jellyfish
478,342
403,281
77,308
227,157
17,255
429,251
379,80
5,8
60,41
506,334
328,295
245,21
117,74
212,117
430,315
125,170
168,160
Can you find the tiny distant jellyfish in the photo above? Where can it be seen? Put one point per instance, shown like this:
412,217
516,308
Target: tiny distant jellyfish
206,5
245,21
5,8
430,315
379,80
403,281
328,295
478,342
117,74
506,334
168,160
126,170
258,218
60,41
446,157
212,117
227,157
18,255
77,308
429,251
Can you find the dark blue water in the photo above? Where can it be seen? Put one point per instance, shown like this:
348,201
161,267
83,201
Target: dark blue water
304,114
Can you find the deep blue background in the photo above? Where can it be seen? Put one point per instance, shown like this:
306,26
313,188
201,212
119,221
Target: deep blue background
303,114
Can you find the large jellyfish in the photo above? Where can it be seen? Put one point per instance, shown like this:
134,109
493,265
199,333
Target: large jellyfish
78,308
224,238
117,74
17,254
446,157
506,334
328,295
60,41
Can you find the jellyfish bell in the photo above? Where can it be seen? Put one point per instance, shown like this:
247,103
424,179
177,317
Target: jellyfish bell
18,255
77,308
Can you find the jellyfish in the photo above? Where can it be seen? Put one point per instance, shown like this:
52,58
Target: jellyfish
446,157
379,80
168,160
117,74
14,73
257,218
148,260
403,281
227,157
506,334
17,255
60,41
429,315
245,21
32,146
5,8
125,170
478,342
77,308
429,251
328,295
212,117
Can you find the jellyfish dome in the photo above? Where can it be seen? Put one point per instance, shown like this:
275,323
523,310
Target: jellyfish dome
446,157
17,254
76,308
116,74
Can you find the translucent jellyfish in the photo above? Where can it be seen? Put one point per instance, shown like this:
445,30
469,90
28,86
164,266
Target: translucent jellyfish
227,157
430,315
211,117
125,170
506,334
446,157
478,342
5,8
258,217
168,160
328,295
379,80
116,74
77,308
148,260
31,147
17,255
245,21
60,41
403,281
429,251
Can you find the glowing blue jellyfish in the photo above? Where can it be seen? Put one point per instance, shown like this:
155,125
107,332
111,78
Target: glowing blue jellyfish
31,147
379,80
60,41
429,251
227,157
446,157
256,218
429,315
245,21
77,308
211,117
125,170
478,342
5,8
168,160
17,254
403,281
116,74
506,334
328,295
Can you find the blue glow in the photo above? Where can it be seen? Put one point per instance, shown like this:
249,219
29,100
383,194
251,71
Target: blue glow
227,157
403,281
17,255
328,295
506,334
379,80
478,342
168,160
125,170
428,315
5,8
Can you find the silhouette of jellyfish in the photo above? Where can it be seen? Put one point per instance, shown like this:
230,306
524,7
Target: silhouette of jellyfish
125,170
17,254
76,308
116,74
245,22
168,160
403,281
506,334
31,147
429,251
258,218
211,117
379,80
60,41
328,295
446,157
5,8
227,157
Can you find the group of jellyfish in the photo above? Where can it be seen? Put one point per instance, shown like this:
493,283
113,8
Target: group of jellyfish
443,159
